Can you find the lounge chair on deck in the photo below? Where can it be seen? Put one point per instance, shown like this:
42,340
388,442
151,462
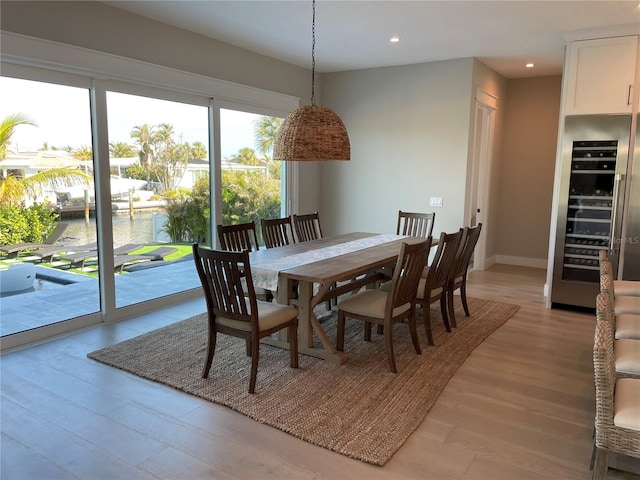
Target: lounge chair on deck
15,249
47,254
77,260
159,253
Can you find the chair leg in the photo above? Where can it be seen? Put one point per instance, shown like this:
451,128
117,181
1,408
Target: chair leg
367,331
388,341
443,309
601,464
463,296
293,344
340,332
451,308
426,314
210,351
414,333
255,354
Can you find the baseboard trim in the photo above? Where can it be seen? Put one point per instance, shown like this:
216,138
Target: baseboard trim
521,261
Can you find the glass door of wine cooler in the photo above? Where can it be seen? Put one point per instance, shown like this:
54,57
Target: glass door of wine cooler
590,208
595,151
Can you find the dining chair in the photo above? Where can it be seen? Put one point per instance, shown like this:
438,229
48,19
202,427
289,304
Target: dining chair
617,420
307,227
458,275
235,238
415,224
387,308
433,284
232,313
277,232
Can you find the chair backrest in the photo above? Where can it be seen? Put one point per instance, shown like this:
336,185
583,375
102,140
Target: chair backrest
606,278
226,293
236,238
56,233
277,232
415,224
406,274
468,244
307,227
603,364
443,259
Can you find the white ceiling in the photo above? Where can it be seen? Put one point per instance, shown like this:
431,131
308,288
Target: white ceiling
353,35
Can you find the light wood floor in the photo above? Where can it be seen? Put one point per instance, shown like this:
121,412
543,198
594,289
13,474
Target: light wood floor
521,407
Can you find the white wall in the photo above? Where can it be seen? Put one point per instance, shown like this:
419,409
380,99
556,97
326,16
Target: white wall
409,129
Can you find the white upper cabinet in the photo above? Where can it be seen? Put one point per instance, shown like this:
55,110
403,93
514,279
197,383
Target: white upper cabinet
601,75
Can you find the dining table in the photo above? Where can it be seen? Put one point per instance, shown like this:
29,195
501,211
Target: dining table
323,269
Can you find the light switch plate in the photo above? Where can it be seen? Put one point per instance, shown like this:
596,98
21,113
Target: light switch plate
435,201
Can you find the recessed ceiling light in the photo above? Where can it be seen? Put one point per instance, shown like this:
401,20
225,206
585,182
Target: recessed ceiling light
529,65
394,39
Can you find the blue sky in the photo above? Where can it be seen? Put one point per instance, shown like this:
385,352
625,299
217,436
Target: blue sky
62,116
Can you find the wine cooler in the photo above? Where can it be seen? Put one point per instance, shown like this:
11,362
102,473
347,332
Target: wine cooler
594,164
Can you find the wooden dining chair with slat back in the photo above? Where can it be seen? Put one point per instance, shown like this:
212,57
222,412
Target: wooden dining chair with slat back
389,307
458,275
233,308
415,224
240,237
307,227
277,232
433,285
236,238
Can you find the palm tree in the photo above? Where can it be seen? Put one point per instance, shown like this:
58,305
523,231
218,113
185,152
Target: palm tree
14,190
83,153
120,150
145,137
198,150
266,129
7,129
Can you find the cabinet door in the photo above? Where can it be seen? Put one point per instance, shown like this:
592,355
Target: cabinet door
600,75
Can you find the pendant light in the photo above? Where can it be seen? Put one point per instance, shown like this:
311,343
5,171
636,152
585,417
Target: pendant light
312,132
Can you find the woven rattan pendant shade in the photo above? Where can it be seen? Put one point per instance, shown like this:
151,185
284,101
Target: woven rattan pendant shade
312,133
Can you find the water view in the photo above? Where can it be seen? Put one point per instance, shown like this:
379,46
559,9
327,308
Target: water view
139,229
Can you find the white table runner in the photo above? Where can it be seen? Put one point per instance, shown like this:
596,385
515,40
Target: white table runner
265,274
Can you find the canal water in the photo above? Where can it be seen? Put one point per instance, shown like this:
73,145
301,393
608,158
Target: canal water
138,229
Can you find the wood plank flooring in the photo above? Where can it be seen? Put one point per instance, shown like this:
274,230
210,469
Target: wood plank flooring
521,407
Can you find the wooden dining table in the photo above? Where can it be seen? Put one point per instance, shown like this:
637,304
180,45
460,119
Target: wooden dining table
323,269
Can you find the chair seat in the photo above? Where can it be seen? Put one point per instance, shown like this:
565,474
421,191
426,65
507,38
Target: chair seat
627,305
370,303
627,404
627,357
270,315
628,326
626,288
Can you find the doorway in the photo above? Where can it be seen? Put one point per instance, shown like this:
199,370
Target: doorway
482,153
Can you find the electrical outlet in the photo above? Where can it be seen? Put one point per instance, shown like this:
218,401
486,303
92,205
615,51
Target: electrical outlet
435,201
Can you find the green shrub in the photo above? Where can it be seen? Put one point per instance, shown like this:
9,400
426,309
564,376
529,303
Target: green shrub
25,224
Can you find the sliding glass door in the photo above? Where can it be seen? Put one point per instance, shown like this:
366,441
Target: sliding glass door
160,201
46,179
136,174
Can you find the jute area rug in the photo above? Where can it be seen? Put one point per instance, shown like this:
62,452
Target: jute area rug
358,409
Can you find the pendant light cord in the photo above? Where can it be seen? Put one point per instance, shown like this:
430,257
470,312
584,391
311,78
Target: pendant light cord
313,55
